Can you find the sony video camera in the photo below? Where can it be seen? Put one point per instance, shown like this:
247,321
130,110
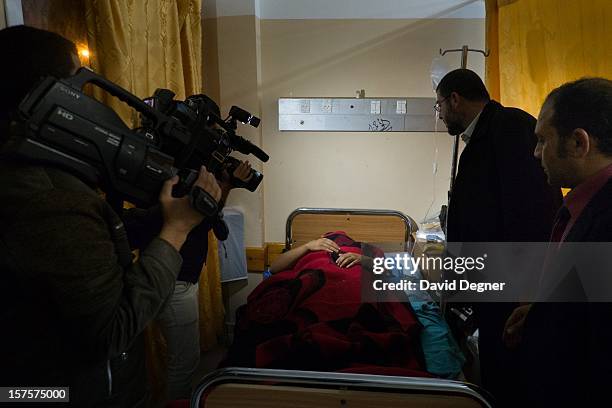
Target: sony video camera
216,137
64,127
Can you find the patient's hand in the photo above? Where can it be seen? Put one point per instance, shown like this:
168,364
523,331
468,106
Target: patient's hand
348,259
322,244
289,258
513,330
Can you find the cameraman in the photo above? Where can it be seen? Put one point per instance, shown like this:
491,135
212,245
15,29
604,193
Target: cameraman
179,317
73,304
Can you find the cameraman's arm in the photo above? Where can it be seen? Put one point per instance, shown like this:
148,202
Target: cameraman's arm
142,225
195,248
67,248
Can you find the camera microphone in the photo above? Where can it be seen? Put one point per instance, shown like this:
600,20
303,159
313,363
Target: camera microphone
244,146
244,116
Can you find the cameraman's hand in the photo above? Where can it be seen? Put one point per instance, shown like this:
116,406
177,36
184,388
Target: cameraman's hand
179,216
243,171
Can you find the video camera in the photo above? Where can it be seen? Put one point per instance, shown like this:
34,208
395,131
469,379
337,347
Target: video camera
201,115
64,127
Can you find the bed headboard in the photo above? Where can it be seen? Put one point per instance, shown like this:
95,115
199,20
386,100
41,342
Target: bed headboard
388,226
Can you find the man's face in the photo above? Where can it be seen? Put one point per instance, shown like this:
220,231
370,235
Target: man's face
550,151
451,118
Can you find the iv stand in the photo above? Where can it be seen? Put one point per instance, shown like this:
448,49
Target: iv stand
444,213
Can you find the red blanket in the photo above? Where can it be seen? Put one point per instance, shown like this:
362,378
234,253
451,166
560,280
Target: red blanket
311,318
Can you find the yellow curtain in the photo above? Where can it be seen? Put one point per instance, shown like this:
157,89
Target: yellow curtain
142,46
491,45
537,45
145,45
211,301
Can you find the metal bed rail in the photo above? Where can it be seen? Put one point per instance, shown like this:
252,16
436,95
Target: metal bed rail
344,381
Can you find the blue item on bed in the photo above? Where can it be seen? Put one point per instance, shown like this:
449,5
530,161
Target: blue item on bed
442,354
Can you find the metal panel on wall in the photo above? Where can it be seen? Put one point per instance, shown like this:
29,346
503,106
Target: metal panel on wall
358,115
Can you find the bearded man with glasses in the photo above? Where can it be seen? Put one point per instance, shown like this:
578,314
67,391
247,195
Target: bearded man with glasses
500,194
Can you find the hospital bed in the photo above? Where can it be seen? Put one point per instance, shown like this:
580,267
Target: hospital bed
278,388
394,232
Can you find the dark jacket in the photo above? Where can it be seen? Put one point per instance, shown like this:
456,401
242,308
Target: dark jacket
73,305
500,195
143,225
567,347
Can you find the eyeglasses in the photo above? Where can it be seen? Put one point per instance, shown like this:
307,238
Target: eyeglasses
438,106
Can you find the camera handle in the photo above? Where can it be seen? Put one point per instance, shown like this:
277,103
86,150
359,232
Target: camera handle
203,202
84,76
200,200
220,227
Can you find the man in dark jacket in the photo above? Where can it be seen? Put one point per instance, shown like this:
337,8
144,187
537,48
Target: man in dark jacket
73,305
500,194
567,335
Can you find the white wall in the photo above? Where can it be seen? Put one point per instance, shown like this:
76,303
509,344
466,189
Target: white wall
333,58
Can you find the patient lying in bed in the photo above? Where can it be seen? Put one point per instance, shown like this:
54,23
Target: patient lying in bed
339,256
309,316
